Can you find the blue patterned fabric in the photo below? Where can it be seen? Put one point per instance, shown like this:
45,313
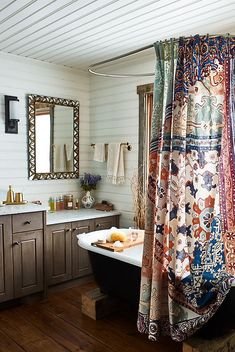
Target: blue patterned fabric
190,218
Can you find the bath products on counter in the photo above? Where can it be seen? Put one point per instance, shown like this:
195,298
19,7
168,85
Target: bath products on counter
68,201
77,204
56,203
63,203
52,204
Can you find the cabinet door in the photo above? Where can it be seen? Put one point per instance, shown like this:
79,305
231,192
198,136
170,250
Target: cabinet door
80,260
106,223
6,268
28,262
58,247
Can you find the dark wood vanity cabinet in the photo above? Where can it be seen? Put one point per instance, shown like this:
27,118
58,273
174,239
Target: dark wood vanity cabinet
28,262
21,255
106,223
32,258
28,258
65,259
58,256
6,267
80,259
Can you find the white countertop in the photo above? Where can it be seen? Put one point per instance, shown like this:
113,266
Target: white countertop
77,215
23,208
57,216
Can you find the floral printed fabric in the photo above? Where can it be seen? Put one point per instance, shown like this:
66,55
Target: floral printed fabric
227,168
184,276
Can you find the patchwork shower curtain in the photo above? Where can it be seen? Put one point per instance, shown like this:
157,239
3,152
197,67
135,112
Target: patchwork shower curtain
189,248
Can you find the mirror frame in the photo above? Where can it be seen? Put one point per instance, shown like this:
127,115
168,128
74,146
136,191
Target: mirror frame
33,175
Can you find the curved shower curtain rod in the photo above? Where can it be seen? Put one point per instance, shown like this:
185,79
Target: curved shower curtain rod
123,75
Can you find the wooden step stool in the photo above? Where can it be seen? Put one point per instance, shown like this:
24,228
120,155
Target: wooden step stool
97,305
224,343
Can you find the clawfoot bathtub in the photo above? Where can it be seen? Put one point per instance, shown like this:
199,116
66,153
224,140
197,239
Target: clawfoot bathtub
117,273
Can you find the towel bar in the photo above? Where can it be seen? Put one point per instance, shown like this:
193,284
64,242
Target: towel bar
127,145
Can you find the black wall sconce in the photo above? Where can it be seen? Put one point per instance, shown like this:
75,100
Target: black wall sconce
11,112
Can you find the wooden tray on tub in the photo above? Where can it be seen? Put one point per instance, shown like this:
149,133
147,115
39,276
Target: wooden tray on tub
134,241
110,247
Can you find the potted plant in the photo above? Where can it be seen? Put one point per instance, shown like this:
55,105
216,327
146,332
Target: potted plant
88,182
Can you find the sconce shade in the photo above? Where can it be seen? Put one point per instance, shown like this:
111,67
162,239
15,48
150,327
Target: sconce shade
11,114
14,109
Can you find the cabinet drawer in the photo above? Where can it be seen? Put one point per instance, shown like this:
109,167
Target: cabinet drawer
27,222
106,223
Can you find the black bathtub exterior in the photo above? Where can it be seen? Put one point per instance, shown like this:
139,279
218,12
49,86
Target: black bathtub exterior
116,278
120,279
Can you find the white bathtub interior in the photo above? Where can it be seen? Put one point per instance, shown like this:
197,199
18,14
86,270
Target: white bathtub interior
131,255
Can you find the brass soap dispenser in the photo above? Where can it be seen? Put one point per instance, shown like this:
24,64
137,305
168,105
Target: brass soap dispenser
10,195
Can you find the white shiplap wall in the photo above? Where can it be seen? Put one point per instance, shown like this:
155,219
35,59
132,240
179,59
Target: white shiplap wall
20,76
114,118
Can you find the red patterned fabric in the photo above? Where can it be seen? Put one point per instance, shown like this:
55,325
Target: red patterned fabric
227,174
189,245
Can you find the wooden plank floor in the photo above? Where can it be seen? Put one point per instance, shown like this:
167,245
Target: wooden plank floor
57,324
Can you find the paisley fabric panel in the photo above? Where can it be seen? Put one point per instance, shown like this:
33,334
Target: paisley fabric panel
184,277
153,301
227,169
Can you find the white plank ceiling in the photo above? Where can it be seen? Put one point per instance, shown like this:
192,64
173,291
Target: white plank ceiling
78,33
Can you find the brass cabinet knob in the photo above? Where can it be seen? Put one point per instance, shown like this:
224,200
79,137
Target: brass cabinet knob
68,230
98,225
16,243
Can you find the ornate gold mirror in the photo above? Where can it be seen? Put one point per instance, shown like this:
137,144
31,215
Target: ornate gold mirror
53,138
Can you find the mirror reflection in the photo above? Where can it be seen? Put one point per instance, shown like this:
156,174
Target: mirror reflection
53,138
